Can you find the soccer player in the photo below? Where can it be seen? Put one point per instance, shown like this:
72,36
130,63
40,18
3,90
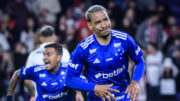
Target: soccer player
105,58
49,78
47,36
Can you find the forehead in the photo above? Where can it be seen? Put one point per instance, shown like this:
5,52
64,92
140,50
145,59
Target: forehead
49,49
98,15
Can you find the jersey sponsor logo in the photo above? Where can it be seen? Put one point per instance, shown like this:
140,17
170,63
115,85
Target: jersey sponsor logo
53,97
138,50
117,44
73,65
39,68
42,75
44,84
55,83
96,61
92,51
111,74
109,59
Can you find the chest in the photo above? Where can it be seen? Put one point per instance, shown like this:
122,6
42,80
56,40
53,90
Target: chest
112,56
51,83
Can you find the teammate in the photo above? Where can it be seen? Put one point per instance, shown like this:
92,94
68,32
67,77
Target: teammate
105,58
49,78
47,36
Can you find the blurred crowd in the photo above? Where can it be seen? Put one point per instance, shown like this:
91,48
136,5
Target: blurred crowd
154,24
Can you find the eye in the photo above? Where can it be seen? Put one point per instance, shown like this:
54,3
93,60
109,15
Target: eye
105,19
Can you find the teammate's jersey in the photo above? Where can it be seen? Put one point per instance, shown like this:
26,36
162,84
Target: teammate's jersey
36,56
106,64
50,87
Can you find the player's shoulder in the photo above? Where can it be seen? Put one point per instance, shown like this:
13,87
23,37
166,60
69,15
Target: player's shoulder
87,42
119,34
38,68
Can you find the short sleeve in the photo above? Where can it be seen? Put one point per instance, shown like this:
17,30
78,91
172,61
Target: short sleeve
135,51
76,61
27,73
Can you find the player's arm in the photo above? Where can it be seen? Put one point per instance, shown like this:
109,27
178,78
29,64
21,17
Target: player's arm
30,88
23,73
136,55
15,78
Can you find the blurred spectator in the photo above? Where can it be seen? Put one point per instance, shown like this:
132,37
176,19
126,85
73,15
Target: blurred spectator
153,65
6,68
82,28
112,10
70,17
71,41
167,82
41,21
7,26
164,12
130,14
4,43
18,10
48,8
61,28
20,57
173,35
27,35
128,27
150,31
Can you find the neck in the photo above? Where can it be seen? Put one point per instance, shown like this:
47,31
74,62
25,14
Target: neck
55,69
103,40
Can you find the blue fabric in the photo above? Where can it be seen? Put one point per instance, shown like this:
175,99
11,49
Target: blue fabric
50,87
105,64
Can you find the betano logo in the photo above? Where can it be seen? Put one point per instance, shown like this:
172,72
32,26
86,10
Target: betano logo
73,65
53,97
111,74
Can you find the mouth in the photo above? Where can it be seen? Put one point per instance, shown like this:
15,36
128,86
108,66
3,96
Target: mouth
47,64
105,30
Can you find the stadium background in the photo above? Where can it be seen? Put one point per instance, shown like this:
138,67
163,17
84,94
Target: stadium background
154,24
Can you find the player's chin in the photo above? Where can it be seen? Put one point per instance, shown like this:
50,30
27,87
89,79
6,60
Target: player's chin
47,67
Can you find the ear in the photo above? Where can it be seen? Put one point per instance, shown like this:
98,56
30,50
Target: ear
41,39
59,57
90,25
55,38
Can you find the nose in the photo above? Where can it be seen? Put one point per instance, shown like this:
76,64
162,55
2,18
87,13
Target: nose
103,25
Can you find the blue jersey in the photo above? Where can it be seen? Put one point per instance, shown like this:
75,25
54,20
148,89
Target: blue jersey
106,64
50,87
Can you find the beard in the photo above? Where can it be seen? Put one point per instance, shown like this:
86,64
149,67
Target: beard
105,36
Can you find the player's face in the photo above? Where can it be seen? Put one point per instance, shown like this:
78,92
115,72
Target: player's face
51,59
100,23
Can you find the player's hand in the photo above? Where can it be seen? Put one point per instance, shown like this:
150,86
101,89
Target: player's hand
33,98
134,88
103,91
79,96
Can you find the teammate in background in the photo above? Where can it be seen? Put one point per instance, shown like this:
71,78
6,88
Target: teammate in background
47,36
49,78
105,58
